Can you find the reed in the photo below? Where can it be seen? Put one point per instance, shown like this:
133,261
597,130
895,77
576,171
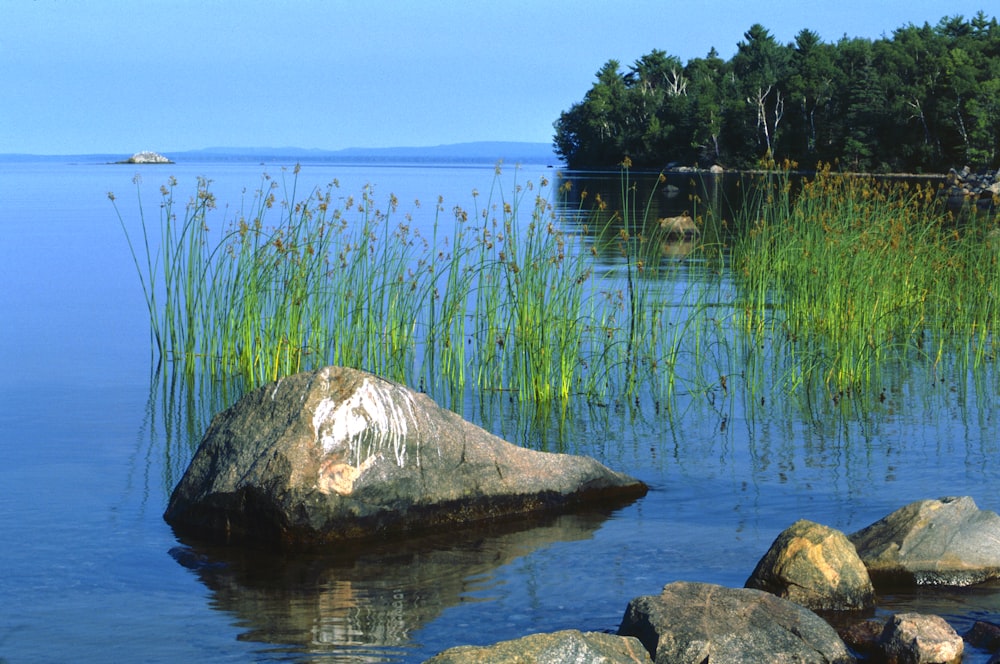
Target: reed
829,289
852,273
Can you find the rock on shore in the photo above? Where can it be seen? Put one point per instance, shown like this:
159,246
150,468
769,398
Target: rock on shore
555,648
815,566
948,541
703,622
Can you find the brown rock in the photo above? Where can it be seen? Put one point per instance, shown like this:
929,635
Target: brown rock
565,647
682,226
699,622
864,637
985,635
913,638
815,566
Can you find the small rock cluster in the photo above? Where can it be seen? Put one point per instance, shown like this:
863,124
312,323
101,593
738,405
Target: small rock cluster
146,157
979,189
808,568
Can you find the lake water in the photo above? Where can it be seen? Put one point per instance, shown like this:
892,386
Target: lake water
93,442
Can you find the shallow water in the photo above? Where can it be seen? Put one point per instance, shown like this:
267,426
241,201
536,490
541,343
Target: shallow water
92,445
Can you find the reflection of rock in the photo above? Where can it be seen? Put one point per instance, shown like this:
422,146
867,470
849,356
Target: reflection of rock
337,454
677,249
372,599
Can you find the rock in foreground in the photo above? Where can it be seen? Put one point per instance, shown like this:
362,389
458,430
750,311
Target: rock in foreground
815,566
565,647
336,454
912,637
702,622
948,541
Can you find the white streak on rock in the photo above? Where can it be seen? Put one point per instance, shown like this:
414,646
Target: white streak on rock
370,418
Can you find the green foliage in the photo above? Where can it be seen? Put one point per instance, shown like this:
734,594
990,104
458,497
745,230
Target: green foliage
923,99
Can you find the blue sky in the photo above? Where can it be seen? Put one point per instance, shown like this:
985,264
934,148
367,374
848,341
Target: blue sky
110,76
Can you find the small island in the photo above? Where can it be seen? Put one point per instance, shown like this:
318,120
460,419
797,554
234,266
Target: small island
146,157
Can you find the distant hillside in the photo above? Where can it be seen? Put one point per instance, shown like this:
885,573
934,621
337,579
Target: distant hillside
491,151
510,152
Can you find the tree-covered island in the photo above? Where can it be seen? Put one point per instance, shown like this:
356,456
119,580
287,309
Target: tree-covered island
921,100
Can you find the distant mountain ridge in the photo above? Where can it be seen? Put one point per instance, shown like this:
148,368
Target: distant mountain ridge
508,151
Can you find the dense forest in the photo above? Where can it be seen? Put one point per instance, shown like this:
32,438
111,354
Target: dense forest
921,100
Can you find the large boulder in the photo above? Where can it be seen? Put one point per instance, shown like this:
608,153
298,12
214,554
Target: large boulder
948,541
815,566
565,647
337,454
699,622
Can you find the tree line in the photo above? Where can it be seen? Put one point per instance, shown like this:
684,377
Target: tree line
921,100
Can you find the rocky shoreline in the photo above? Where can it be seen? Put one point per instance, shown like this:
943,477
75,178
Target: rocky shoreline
812,578
338,457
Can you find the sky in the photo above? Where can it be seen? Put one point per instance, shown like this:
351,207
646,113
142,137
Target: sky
111,76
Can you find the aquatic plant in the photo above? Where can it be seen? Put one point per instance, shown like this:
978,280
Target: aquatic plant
506,300
852,273
825,288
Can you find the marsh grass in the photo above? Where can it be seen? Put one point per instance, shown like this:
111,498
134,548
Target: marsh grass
499,299
827,290
852,273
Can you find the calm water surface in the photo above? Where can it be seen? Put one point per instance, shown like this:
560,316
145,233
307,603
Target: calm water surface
93,443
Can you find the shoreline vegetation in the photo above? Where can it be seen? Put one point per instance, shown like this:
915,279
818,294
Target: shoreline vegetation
824,289
904,103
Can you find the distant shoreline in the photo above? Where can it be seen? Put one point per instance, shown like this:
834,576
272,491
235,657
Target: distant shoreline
509,152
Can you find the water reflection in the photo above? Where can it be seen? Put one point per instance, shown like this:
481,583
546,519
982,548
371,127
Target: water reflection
366,605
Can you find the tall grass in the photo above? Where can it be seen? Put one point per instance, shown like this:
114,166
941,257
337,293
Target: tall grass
501,300
824,289
852,273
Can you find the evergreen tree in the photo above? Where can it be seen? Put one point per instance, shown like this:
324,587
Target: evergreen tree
926,98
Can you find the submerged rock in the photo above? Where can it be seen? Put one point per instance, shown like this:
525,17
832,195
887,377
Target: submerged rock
680,227
815,566
338,454
702,622
565,647
948,541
